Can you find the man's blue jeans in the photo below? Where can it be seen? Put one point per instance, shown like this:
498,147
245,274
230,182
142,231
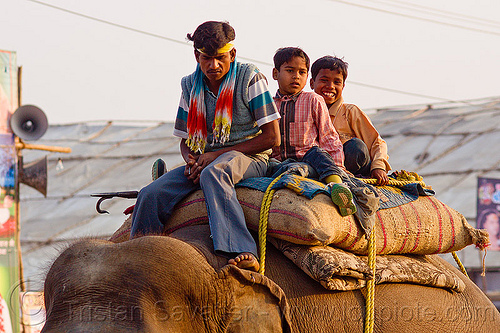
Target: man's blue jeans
156,201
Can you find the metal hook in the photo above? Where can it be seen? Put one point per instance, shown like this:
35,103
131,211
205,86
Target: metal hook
109,195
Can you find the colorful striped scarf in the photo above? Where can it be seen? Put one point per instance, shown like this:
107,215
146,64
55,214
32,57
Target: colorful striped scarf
196,122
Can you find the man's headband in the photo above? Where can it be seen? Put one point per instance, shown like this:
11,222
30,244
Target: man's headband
226,48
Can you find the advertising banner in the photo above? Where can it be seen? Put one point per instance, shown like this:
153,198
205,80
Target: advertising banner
488,209
9,260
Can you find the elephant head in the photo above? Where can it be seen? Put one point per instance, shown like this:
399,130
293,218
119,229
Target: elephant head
157,284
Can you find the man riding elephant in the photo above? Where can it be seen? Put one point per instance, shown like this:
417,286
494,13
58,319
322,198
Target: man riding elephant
227,123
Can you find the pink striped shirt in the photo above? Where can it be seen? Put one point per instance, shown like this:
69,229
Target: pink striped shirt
305,123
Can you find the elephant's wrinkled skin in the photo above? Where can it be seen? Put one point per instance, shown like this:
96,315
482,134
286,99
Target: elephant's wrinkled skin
166,284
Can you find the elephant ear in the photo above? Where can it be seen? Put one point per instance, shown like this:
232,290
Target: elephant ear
252,291
249,290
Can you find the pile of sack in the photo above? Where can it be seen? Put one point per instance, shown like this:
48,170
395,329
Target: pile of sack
311,230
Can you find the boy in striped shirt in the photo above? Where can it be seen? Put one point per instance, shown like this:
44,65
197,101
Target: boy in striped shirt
307,133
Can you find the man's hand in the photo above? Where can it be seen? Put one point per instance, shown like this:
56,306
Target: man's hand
196,164
269,138
191,169
381,176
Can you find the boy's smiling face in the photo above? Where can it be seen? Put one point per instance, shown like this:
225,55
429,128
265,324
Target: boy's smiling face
292,76
329,84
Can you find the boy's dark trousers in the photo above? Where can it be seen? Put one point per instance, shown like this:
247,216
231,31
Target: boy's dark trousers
357,157
317,163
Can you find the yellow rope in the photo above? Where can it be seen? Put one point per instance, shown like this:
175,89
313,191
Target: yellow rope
370,286
372,253
370,297
263,219
392,182
459,263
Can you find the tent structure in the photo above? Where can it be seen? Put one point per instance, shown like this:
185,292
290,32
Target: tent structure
450,145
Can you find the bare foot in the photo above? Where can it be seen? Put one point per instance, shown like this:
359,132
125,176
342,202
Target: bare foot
245,260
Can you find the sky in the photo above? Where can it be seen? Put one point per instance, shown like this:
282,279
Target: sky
123,60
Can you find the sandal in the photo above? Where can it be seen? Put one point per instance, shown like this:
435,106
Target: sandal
342,197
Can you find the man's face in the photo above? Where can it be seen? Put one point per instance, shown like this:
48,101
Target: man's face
292,76
329,84
215,67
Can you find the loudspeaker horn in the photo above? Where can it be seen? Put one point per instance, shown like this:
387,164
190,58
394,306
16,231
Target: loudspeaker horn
34,174
29,122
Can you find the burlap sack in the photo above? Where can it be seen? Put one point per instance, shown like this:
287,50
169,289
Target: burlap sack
424,226
123,233
336,269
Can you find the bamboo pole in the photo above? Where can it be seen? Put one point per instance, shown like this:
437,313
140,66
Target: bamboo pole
21,145
18,199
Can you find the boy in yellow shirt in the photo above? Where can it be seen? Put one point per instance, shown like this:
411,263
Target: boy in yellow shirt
364,150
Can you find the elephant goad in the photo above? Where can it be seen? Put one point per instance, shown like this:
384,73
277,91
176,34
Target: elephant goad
176,284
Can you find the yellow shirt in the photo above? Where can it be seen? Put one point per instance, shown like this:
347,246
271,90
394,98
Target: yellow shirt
351,122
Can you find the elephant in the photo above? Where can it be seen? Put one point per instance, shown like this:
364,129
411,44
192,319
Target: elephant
176,283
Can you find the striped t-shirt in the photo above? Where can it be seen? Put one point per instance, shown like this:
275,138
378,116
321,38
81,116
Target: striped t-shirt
253,106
